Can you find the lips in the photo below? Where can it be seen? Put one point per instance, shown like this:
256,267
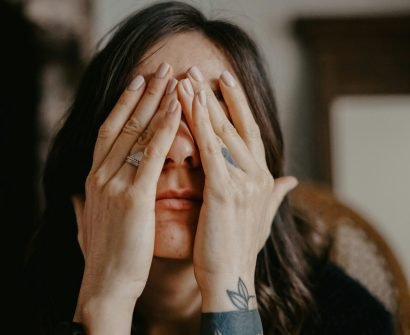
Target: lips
178,200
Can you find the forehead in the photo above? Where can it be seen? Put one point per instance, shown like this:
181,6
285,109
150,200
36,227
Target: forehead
182,51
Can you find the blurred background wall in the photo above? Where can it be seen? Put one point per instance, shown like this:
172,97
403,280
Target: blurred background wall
67,32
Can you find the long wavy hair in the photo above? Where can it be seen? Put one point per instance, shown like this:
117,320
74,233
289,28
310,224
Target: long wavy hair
286,263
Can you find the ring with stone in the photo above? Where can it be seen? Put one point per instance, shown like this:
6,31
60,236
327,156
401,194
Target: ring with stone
135,158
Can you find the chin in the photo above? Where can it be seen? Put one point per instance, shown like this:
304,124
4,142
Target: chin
175,235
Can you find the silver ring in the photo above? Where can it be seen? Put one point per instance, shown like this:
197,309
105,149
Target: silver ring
135,158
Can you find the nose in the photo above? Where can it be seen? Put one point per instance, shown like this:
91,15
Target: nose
183,151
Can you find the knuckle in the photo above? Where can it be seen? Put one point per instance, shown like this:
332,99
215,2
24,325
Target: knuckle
112,188
152,90
123,102
105,131
152,152
261,179
225,193
133,127
145,136
222,195
228,129
253,131
119,192
95,181
243,190
211,148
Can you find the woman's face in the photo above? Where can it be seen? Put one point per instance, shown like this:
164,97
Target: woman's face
176,220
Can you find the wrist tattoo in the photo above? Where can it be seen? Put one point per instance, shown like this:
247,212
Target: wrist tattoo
242,321
241,298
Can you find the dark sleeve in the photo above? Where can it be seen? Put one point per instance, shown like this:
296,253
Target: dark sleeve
346,307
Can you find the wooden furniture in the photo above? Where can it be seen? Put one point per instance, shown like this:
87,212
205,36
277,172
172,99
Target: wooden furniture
358,248
351,56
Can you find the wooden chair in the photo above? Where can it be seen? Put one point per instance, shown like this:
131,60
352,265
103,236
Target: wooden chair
358,248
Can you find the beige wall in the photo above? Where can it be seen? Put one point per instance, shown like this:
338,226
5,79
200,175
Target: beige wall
371,146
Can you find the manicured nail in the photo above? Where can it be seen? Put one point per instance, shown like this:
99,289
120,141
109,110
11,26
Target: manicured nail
171,86
173,105
162,70
202,98
188,86
228,79
195,73
136,83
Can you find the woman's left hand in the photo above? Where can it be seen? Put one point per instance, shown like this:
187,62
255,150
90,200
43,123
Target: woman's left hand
240,198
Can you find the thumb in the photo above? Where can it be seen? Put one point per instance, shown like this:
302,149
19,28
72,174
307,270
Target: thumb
283,186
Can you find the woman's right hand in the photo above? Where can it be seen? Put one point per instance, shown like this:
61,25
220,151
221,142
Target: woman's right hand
116,219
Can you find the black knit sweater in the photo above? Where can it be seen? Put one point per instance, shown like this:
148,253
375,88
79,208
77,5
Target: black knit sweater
346,307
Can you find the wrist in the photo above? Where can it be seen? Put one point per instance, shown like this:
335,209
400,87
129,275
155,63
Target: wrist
236,322
105,314
228,292
101,308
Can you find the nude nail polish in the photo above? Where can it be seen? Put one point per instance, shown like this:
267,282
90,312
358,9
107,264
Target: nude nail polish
136,83
188,86
172,84
162,70
173,105
196,73
228,79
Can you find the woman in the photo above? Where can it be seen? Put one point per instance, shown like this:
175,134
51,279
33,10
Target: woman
165,210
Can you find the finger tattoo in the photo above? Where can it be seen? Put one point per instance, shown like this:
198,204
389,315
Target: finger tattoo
228,157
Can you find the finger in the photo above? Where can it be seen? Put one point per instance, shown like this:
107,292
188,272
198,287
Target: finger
282,186
224,128
198,83
209,148
136,128
186,96
235,145
113,124
242,116
168,99
156,151
127,171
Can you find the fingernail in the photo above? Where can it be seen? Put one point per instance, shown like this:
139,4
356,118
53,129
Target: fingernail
162,70
202,98
136,83
195,73
171,86
173,105
188,86
228,79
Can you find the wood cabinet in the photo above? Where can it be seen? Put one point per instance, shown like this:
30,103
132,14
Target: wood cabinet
349,56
